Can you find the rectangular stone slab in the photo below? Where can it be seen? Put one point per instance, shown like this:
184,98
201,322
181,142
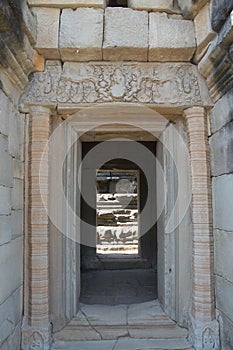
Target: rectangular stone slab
167,84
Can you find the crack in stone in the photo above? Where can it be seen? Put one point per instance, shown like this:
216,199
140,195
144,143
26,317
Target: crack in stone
94,329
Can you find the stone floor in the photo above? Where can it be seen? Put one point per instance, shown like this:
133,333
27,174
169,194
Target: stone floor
119,310
112,287
141,326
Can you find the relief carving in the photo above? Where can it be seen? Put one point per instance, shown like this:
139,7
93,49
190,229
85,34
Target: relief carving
208,339
35,339
156,83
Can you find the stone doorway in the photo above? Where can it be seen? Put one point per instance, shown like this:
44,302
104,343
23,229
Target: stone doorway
116,278
54,269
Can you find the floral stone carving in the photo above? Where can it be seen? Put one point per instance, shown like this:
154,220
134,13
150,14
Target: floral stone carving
147,83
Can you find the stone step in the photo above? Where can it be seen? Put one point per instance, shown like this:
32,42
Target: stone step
124,344
104,322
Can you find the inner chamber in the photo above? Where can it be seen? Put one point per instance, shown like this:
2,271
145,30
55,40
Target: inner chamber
122,268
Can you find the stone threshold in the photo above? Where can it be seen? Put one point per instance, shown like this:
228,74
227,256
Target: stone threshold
128,322
125,344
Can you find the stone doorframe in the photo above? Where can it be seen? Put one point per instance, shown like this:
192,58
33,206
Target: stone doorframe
171,89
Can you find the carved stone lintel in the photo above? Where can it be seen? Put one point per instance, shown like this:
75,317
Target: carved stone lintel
36,338
204,336
148,83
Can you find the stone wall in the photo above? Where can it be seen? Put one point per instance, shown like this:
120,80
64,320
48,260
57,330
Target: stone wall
221,144
17,33
215,63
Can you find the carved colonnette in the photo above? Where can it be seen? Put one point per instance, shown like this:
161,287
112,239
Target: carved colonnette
36,327
204,329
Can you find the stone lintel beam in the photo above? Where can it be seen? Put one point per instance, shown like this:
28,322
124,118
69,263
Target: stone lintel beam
170,85
36,328
204,332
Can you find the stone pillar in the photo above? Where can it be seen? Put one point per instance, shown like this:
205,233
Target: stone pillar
204,329
36,327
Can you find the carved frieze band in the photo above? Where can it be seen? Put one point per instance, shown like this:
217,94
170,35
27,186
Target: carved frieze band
85,83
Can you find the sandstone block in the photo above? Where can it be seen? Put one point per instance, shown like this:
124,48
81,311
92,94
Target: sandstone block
29,21
226,333
190,8
81,34
15,134
223,202
17,195
47,32
17,219
221,114
4,113
220,10
18,169
11,267
223,242
125,35
10,315
5,205
224,292
6,168
152,5
68,3
38,62
5,229
204,31
221,146
177,42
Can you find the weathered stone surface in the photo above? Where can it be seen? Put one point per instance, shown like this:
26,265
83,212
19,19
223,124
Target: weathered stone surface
5,203
16,134
38,62
29,21
98,315
5,106
125,35
126,343
17,220
223,202
204,31
155,83
6,168
5,229
152,5
216,65
226,334
81,34
10,316
47,32
18,169
190,8
11,264
223,242
17,195
68,3
222,114
220,10
224,292
177,42
221,145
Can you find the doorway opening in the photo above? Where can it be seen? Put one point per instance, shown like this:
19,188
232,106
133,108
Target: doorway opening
122,267
117,209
